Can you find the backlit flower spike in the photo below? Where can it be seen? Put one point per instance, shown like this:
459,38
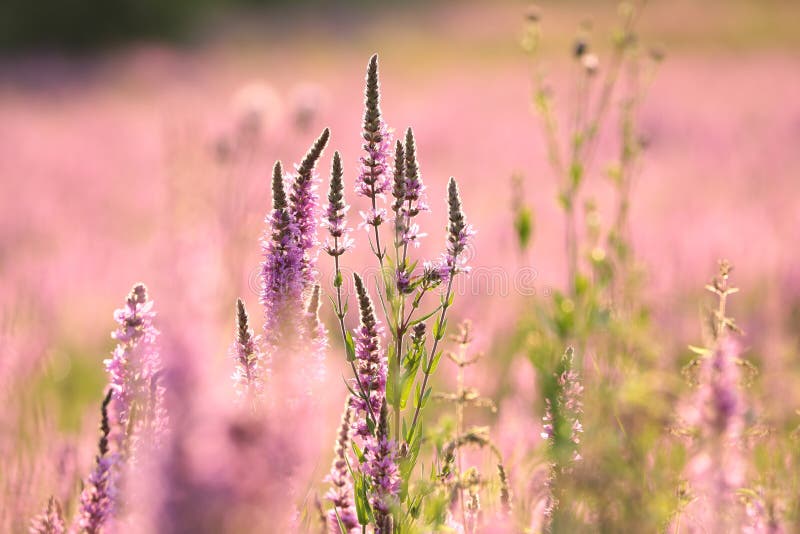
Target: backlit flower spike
133,370
373,180
371,363
96,500
303,197
415,189
381,467
281,271
459,234
247,376
334,219
340,494
399,178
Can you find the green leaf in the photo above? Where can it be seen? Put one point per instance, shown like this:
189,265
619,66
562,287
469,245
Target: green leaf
357,451
576,174
435,362
523,225
350,346
363,510
425,317
405,387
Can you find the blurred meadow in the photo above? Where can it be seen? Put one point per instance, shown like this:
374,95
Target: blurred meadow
145,154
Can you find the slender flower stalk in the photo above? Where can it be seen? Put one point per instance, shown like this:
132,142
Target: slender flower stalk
51,521
371,363
96,502
381,467
247,376
458,235
337,244
317,335
373,180
343,513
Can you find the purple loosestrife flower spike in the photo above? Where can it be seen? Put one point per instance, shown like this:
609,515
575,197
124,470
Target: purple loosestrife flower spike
51,521
414,194
341,492
246,377
303,202
371,363
339,240
458,235
373,180
399,182
282,283
382,469
96,502
133,372
414,186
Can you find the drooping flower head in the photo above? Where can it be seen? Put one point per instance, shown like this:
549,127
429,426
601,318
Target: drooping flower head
340,494
381,467
247,375
334,219
371,363
96,502
373,179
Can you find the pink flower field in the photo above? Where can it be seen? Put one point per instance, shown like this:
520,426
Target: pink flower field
593,326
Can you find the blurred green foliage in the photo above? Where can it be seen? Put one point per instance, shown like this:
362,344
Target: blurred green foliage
93,24
80,24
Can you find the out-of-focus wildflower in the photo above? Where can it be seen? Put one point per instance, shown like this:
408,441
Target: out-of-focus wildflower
50,521
136,405
96,502
341,492
256,110
247,375
282,283
288,268
306,101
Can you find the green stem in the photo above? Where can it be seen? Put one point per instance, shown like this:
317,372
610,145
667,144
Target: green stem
438,337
